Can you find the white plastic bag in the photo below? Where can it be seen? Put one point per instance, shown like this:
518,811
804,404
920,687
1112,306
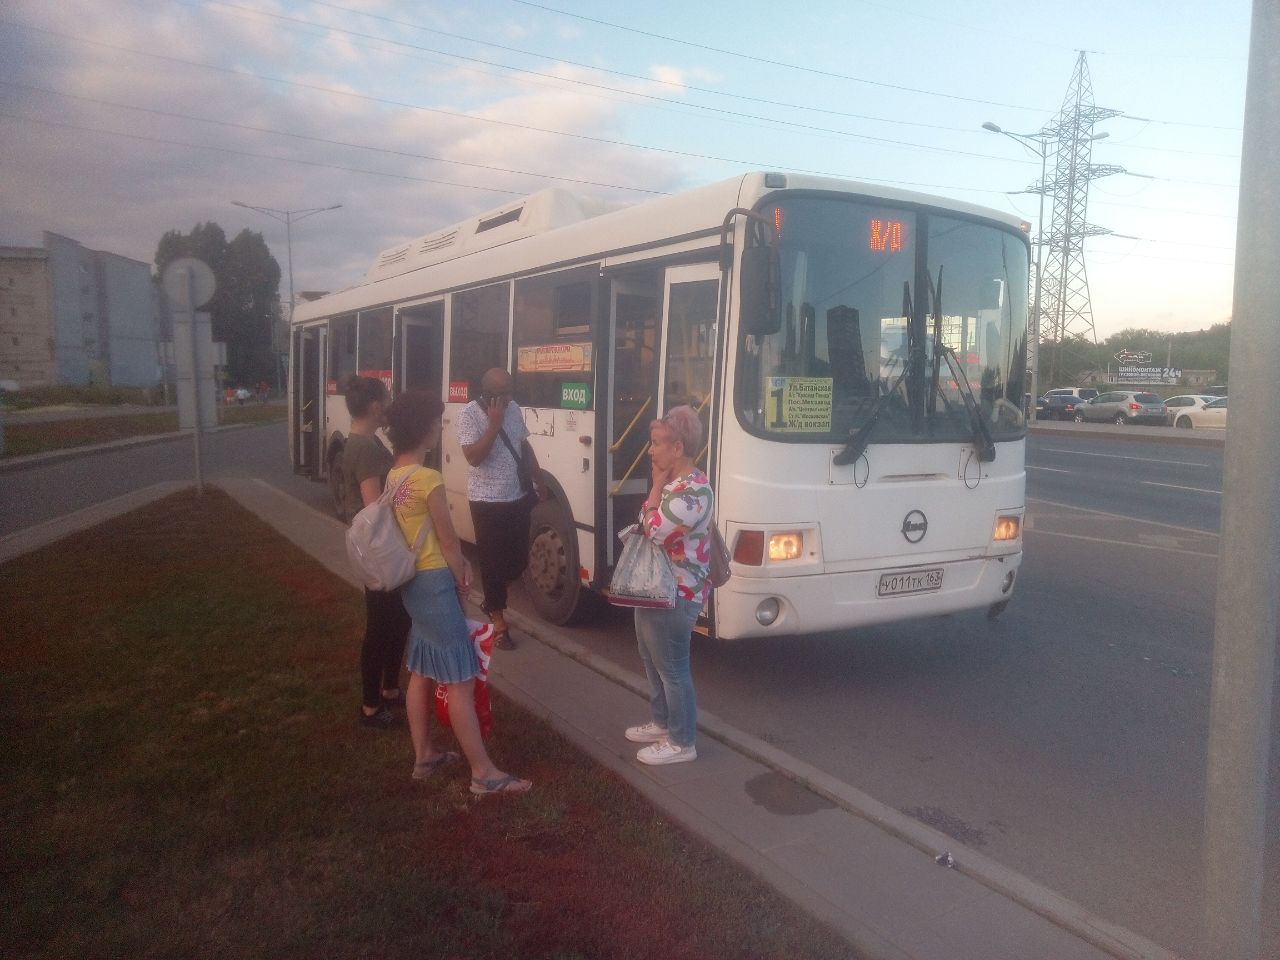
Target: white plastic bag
643,576
377,549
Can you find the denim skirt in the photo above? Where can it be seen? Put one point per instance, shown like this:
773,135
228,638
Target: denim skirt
440,645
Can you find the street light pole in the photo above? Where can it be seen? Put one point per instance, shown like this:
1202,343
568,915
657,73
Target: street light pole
1041,150
288,218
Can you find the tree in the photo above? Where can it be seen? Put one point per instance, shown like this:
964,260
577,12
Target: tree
243,308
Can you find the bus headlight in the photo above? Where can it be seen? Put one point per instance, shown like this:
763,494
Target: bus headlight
786,546
1007,528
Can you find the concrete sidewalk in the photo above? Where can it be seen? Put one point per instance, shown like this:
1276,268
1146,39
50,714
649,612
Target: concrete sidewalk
866,869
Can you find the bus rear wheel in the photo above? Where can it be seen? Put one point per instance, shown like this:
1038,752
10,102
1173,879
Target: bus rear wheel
552,575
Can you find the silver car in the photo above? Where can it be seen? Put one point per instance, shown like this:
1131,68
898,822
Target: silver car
1121,407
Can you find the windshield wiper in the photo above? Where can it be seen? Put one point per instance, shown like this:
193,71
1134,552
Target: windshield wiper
860,438
981,434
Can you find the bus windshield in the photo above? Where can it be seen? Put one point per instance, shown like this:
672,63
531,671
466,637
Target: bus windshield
890,316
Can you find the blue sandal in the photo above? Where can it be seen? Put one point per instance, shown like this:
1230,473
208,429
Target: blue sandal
421,771
504,784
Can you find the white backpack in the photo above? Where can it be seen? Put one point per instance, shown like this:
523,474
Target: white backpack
376,547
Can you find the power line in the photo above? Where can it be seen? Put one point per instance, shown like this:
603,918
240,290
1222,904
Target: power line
779,63
259,156
573,63
337,143
435,110
239,10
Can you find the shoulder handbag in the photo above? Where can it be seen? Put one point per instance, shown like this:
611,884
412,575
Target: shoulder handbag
719,573
643,576
377,549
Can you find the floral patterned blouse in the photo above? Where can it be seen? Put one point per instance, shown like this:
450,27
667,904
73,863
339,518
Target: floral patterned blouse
682,526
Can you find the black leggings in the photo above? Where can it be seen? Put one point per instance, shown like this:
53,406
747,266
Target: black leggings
386,628
502,541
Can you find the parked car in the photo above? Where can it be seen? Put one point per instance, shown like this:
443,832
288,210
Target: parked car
1058,406
1179,404
1084,393
1121,407
1212,414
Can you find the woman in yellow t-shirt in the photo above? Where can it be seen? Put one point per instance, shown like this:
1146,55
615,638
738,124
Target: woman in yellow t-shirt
440,646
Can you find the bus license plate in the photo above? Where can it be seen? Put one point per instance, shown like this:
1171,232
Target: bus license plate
913,581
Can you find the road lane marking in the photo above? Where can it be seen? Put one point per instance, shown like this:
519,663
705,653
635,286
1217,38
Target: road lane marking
1121,516
1050,469
1117,456
1175,486
1123,543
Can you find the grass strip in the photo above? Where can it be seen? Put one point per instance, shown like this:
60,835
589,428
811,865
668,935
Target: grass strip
46,435
182,776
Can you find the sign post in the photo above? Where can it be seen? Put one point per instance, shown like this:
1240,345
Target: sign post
189,284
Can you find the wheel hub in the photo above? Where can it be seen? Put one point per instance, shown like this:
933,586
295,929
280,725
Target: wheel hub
547,561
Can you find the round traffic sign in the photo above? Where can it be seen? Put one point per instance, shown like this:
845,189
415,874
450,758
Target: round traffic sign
202,284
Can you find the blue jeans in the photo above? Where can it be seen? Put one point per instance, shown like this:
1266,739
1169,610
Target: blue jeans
663,637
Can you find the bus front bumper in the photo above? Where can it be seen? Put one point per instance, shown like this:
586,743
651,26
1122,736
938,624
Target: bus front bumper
841,601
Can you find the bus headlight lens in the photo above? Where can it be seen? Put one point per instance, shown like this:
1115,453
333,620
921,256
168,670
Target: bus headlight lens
786,546
767,611
1007,528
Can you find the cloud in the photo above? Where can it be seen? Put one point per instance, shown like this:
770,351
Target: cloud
137,155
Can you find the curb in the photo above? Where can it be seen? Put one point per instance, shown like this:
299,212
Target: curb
1118,941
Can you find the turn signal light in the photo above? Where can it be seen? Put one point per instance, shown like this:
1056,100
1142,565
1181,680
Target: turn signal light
749,548
786,546
1007,528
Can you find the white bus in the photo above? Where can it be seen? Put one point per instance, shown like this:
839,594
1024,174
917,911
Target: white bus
857,353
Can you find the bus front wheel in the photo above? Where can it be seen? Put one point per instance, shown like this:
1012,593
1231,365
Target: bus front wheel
552,575
337,485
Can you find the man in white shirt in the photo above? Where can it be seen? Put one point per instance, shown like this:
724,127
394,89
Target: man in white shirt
501,488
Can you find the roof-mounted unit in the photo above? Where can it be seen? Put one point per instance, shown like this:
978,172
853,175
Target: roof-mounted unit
543,211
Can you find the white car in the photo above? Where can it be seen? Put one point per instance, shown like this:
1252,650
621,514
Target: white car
1188,401
1212,414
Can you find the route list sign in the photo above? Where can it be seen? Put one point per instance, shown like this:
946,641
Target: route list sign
800,404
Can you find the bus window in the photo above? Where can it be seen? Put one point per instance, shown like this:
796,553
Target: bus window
342,350
691,341
374,357
479,336
552,333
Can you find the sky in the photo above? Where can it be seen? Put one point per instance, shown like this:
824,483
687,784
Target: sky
122,119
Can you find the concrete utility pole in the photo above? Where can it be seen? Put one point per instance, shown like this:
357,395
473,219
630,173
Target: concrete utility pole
1244,651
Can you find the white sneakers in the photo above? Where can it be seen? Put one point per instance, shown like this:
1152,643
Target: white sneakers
660,749
646,733
664,751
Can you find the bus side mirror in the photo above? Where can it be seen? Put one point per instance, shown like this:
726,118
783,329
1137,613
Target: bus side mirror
761,308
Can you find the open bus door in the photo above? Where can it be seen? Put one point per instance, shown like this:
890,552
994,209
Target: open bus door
417,358
307,399
630,392
690,306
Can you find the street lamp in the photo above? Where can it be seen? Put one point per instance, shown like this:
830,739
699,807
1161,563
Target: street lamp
1041,140
288,218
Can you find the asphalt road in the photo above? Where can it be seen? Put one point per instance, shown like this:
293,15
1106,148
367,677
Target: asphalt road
1066,740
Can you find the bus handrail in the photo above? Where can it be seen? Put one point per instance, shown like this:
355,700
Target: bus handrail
630,426
630,470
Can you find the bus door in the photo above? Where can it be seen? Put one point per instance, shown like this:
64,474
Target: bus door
417,358
689,305
631,389
308,398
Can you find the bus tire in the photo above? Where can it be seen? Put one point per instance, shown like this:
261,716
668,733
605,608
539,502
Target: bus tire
337,481
552,577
